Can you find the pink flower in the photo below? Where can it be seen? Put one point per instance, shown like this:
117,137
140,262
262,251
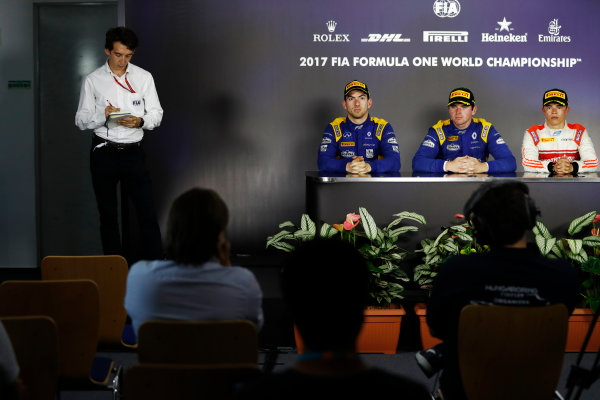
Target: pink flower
351,221
597,218
459,216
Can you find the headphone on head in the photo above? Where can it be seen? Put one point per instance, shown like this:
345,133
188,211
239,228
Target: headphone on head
481,227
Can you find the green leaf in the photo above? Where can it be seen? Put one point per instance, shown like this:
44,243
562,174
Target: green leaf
575,245
279,236
304,235
579,223
283,246
464,236
544,244
450,247
307,224
440,236
403,229
458,228
286,224
327,231
591,241
368,223
541,230
408,215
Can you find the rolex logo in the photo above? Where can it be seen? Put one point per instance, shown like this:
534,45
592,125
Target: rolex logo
331,24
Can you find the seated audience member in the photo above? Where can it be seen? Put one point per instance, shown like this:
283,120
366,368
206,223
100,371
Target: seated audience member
510,274
462,144
325,286
358,143
11,386
557,147
197,281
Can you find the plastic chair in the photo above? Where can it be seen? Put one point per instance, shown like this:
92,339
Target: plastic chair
110,274
73,305
185,381
511,352
194,342
35,343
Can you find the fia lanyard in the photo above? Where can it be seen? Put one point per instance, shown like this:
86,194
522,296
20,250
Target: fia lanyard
128,88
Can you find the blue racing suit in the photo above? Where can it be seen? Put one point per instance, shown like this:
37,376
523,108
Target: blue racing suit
374,140
444,142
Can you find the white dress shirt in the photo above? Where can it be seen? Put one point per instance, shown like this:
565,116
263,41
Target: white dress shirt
100,90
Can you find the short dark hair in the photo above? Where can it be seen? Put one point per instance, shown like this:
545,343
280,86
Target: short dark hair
325,285
501,212
196,219
123,35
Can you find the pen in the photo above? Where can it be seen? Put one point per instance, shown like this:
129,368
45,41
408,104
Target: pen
109,103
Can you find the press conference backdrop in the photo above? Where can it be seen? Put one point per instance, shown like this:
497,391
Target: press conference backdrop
249,86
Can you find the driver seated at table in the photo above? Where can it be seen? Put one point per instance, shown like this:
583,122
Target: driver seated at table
462,144
358,143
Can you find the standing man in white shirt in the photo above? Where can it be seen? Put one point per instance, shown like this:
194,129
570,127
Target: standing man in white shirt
558,147
117,154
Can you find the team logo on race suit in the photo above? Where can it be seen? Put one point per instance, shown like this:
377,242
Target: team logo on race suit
137,103
452,138
369,153
369,134
323,148
453,147
326,141
446,8
428,143
548,140
474,135
347,134
348,153
500,141
347,144
395,148
556,133
392,140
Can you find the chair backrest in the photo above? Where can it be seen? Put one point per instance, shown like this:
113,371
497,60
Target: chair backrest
72,304
110,274
35,343
511,352
194,342
185,381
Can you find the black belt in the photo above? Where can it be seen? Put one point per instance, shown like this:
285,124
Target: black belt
98,141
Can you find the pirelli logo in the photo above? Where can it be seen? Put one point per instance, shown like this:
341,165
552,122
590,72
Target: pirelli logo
547,140
356,84
452,138
554,93
460,93
348,144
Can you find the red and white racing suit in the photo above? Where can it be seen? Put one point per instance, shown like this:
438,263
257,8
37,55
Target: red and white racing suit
543,145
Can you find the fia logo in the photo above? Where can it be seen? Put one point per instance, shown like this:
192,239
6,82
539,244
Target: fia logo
136,102
554,27
446,8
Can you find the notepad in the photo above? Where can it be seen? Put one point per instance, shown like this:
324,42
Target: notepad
112,121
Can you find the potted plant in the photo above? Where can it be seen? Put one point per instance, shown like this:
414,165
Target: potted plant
452,241
584,252
383,255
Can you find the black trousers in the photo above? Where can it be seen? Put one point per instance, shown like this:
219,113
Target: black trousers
110,166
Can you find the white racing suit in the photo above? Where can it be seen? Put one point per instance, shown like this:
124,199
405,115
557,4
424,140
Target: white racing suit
543,145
